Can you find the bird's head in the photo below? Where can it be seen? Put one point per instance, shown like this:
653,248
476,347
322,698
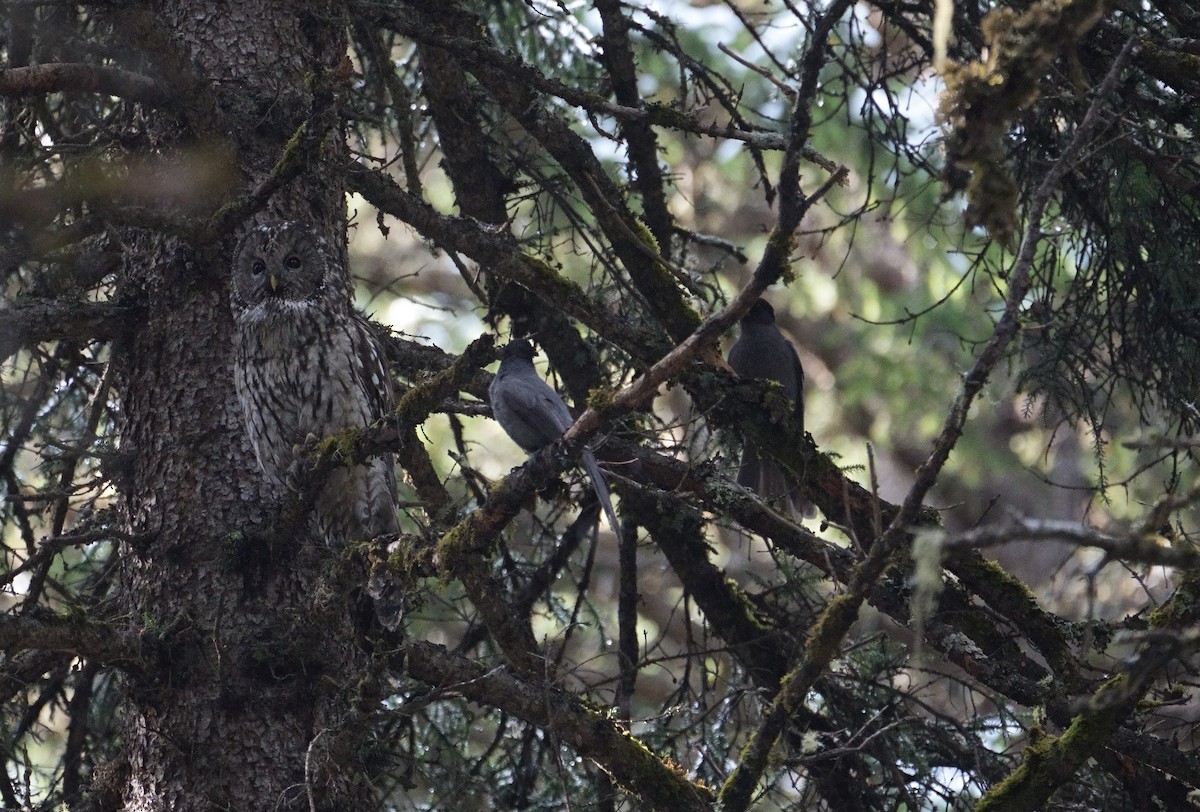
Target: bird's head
760,312
519,349
284,263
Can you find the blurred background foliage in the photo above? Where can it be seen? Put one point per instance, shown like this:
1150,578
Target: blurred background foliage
892,294
891,299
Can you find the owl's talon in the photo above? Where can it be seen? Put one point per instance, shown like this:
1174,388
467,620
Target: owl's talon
294,475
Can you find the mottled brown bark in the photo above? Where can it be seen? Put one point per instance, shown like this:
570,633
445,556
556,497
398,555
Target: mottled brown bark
256,703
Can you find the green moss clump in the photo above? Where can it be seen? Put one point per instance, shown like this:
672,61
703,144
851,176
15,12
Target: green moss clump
983,99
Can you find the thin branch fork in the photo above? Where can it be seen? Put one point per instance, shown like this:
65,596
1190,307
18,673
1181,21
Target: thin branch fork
644,387
50,547
1133,548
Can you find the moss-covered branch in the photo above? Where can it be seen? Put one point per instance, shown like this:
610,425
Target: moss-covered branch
658,783
30,320
982,100
76,634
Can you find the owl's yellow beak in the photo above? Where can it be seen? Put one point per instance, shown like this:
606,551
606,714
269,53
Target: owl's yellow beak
273,280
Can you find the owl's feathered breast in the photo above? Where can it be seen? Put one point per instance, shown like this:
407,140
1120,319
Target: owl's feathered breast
305,369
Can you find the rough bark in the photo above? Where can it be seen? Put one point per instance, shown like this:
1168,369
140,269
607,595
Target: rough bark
257,699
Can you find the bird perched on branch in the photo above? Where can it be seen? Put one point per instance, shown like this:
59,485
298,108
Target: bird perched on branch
762,353
307,363
534,415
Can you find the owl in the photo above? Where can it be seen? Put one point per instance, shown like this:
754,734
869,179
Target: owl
307,363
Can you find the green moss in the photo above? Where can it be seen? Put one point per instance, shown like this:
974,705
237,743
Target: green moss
150,625
643,767
750,617
983,99
666,116
781,245
642,232
600,399
1002,579
422,400
344,446
826,632
291,150
1048,762
539,275
453,548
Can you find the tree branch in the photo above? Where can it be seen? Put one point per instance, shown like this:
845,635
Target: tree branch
1146,549
62,77
843,611
659,784
76,634
29,320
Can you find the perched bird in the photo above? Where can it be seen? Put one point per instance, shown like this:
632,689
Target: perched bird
762,353
308,364
534,415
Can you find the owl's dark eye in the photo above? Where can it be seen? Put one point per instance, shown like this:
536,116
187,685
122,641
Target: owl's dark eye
257,268
292,263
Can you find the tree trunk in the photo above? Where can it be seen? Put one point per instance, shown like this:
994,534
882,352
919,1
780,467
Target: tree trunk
256,705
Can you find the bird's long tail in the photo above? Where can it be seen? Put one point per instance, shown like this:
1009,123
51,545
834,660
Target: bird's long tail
600,485
772,483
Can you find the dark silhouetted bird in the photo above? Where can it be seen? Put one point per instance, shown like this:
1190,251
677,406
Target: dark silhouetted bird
534,415
762,353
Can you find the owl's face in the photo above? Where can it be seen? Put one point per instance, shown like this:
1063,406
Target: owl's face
280,264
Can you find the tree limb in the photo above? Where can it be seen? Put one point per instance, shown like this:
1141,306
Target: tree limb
61,77
76,634
660,784
29,320
1146,549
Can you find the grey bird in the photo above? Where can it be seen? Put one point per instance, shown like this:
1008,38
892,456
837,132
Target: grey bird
762,353
534,415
